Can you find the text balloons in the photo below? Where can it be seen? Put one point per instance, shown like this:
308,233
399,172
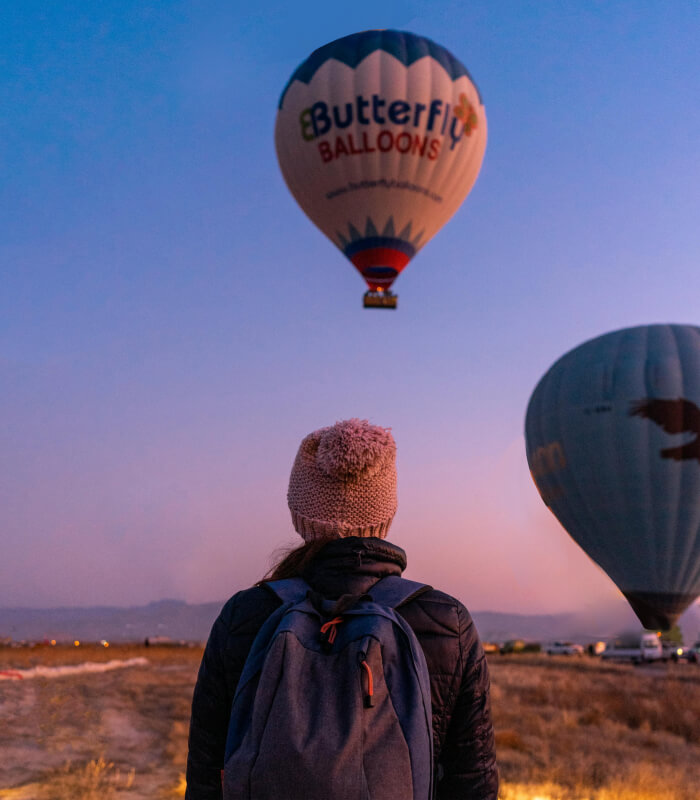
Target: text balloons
380,136
612,433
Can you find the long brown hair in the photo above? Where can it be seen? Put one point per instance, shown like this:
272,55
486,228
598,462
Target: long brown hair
293,561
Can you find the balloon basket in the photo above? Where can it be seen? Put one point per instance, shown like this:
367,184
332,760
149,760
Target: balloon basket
379,300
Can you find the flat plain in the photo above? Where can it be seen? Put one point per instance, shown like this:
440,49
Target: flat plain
567,728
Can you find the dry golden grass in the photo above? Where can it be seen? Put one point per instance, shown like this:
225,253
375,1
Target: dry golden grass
566,729
110,735
96,780
576,729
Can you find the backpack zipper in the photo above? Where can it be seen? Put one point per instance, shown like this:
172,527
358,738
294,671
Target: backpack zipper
369,695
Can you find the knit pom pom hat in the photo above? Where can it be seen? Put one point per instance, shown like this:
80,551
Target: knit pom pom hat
343,481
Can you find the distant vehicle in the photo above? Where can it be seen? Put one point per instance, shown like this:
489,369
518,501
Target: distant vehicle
520,646
634,647
678,652
695,653
564,649
671,650
166,641
681,653
595,648
512,646
156,641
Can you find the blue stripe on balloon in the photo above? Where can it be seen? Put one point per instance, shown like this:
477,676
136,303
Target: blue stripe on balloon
379,241
380,272
351,50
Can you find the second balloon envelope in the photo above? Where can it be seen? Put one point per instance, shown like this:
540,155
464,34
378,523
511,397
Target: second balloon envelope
613,444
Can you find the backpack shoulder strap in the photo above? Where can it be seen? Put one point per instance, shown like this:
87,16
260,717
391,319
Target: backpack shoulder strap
394,591
289,590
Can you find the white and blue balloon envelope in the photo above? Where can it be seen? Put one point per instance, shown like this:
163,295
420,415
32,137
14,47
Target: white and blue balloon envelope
613,444
380,136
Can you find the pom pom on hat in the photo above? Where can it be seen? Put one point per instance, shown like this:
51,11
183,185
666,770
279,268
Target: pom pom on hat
343,482
354,449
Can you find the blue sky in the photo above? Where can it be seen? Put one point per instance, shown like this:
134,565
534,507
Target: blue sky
171,325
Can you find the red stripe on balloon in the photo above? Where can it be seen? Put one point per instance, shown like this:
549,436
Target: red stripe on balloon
380,257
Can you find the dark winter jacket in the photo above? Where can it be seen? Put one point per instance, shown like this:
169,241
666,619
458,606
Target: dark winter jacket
459,680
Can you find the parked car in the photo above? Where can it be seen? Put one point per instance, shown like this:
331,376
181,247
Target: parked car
564,649
689,654
520,646
595,648
680,653
512,646
634,647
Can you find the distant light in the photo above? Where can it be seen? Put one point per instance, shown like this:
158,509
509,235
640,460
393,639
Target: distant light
679,652
76,643
53,643
104,643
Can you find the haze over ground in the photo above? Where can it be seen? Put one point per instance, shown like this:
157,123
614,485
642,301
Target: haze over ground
171,325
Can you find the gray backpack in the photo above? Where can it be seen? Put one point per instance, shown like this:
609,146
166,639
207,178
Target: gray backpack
333,702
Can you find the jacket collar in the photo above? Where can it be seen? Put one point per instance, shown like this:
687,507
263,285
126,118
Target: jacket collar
352,565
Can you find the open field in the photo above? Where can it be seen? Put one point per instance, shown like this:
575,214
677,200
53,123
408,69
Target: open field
577,728
567,728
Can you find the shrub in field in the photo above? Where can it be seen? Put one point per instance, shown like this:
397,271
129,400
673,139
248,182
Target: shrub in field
510,739
96,780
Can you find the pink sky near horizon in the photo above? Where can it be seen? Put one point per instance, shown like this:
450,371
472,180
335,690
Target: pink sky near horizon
471,540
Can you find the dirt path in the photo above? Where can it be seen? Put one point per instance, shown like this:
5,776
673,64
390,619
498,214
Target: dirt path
121,732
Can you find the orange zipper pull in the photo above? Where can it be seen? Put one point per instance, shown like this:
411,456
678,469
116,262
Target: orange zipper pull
370,685
330,630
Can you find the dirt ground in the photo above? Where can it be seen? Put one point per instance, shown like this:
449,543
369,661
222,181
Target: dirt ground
97,735
567,729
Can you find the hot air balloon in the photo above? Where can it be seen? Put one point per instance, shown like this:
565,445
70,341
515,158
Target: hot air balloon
380,136
613,443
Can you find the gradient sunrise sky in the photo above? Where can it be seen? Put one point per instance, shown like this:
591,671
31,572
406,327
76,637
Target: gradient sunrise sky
171,325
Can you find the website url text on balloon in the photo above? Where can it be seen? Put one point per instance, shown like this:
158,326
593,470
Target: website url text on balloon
384,183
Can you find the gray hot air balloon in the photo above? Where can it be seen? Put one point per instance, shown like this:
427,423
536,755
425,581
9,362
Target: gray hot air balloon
613,443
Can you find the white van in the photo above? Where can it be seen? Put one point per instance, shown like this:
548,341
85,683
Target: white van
634,647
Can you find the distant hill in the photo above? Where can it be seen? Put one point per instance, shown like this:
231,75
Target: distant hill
182,621
173,618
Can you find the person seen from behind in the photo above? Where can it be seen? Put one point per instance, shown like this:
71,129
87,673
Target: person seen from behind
352,682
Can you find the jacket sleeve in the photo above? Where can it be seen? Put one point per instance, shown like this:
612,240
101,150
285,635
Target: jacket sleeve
227,649
211,709
468,757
